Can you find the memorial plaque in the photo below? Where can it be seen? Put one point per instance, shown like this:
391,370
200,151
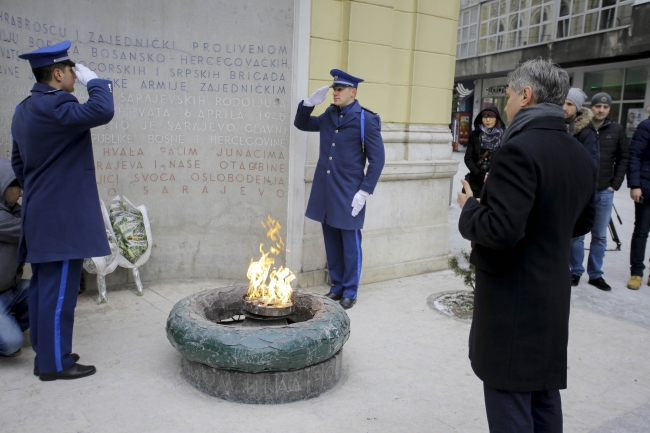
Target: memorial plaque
200,136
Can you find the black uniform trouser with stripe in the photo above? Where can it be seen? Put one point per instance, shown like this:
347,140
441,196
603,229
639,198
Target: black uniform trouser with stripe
53,293
344,257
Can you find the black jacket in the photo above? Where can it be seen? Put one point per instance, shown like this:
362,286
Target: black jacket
638,175
614,154
475,151
531,206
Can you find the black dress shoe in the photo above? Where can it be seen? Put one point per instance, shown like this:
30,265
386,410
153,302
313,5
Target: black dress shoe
334,296
76,371
575,280
600,284
347,303
74,356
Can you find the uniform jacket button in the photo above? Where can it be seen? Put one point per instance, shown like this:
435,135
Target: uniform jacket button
328,172
330,158
337,131
333,144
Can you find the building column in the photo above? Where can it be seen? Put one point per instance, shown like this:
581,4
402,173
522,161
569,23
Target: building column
405,51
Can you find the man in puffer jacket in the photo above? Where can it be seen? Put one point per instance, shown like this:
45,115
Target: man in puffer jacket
613,157
14,317
638,180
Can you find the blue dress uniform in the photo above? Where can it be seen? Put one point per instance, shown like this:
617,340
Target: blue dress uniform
339,176
61,220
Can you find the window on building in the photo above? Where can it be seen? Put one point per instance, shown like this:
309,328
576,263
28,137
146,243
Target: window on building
627,87
498,25
579,17
507,24
467,33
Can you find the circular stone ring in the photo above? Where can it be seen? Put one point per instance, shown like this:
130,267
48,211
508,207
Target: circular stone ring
321,328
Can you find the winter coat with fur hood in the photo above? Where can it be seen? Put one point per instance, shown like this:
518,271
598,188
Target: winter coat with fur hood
579,128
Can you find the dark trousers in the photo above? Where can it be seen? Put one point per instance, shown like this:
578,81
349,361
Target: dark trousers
523,412
639,237
343,249
53,293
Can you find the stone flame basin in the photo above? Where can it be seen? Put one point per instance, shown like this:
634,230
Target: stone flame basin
261,364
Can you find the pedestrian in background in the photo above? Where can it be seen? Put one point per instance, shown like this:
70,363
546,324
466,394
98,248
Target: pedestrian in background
638,180
613,156
482,145
578,119
538,196
14,312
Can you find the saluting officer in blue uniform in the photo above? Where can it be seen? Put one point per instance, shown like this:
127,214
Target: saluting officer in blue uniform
61,221
350,135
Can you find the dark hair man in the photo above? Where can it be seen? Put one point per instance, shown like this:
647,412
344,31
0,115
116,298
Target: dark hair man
350,135
613,156
531,206
62,223
14,315
638,180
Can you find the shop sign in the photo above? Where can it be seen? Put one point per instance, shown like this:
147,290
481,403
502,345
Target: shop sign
496,90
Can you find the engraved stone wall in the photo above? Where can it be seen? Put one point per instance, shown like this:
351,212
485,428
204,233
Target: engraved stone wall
201,132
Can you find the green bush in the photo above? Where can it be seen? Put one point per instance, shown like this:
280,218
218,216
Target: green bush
468,274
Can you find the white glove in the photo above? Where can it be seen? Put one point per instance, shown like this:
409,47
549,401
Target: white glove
317,97
84,75
358,202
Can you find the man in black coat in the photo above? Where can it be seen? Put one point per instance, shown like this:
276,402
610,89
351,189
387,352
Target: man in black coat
638,180
538,196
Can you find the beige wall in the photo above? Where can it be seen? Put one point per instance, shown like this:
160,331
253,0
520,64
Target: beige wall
404,49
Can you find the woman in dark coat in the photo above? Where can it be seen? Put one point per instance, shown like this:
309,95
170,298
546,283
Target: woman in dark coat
483,142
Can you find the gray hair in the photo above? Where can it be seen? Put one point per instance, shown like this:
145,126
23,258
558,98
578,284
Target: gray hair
549,82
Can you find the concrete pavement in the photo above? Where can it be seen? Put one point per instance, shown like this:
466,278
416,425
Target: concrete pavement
405,366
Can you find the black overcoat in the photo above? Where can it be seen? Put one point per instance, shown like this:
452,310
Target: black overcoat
538,196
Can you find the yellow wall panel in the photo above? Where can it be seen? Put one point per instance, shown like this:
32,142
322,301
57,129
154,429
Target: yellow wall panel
404,49
403,24
406,5
384,3
399,105
430,106
325,55
433,70
436,35
375,97
401,67
370,62
371,24
326,19
440,8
